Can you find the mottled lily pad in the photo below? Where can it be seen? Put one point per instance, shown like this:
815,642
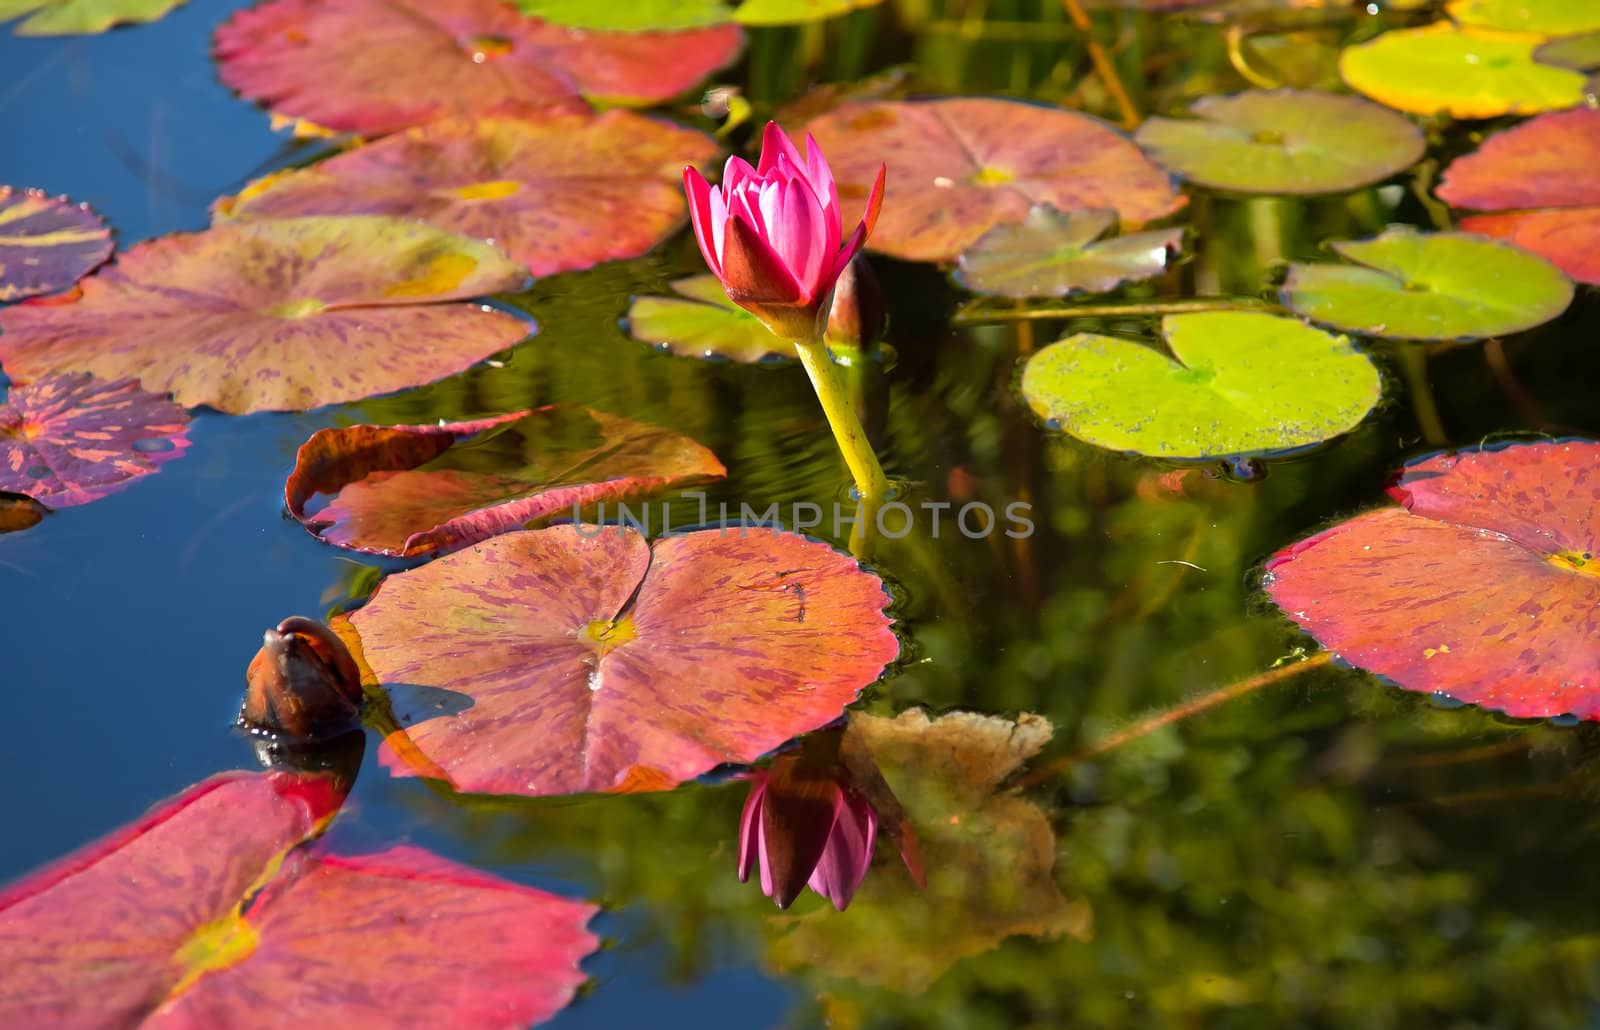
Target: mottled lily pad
704,324
1552,163
594,661
72,439
1283,141
1462,72
656,15
555,193
1055,253
958,167
1412,285
80,17
1238,382
1482,587
276,315
375,66
413,490
1544,17
213,910
47,243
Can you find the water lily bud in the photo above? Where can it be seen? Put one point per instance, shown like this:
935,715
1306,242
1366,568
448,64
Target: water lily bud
302,685
857,317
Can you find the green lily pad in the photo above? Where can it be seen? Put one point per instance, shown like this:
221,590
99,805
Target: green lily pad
1544,17
80,17
1053,253
704,324
1238,382
659,15
793,12
1465,73
1578,53
1283,141
1413,285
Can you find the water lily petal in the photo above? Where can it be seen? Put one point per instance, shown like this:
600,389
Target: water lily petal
750,269
848,854
699,194
750,830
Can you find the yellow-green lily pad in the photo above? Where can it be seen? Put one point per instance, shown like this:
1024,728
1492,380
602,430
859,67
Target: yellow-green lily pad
1413,285
1462,72
1283,141
1054,253
80,17
661,15
1544,17
701,322
1236,383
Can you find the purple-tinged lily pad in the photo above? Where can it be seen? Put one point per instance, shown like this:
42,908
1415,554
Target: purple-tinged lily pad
586,659
414,490
704,323
556,193
1483,586
216,910
1055,253
47,243
1284,141
375,66
276,315
960,166
72,439
80,17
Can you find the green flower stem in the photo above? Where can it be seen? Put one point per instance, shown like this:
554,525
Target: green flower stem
1414,365
870,481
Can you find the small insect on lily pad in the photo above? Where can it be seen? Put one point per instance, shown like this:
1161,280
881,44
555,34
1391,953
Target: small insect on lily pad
277,315
1055,253
47,243
1543,17
1283,141
1462,72
555,193
72,439
702,322
219,909
414,490
375,66
1237,383
960,166
1548,169
578,659
1411,285
80,17
1482,586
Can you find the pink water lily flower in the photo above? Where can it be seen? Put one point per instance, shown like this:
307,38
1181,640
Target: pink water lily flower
774,234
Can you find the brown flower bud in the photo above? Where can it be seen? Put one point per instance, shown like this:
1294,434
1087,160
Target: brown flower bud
303,684
857,317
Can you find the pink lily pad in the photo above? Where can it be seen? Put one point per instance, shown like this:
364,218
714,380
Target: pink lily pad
375,66
1549,169
594,661
211,911
276,315
413,490
1483,586
72,439
958,167
555,193
47,243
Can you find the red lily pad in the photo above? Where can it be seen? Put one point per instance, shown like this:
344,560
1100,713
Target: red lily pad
211,911
72,439
1550,164
375,66
276,315
594,661
413,490
555,193
959,167
47,243
1483,586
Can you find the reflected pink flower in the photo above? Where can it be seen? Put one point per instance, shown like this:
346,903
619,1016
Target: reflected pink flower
774,235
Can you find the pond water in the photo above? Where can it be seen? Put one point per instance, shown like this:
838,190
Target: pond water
1324,850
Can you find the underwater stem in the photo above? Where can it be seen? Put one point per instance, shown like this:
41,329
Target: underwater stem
1177,713
847,432
1103,65
1414,363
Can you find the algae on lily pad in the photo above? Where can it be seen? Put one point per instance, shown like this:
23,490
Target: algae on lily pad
1541,17
80,17
1414,285
1054,253
1283,141
1237,382
703,323
1462,72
